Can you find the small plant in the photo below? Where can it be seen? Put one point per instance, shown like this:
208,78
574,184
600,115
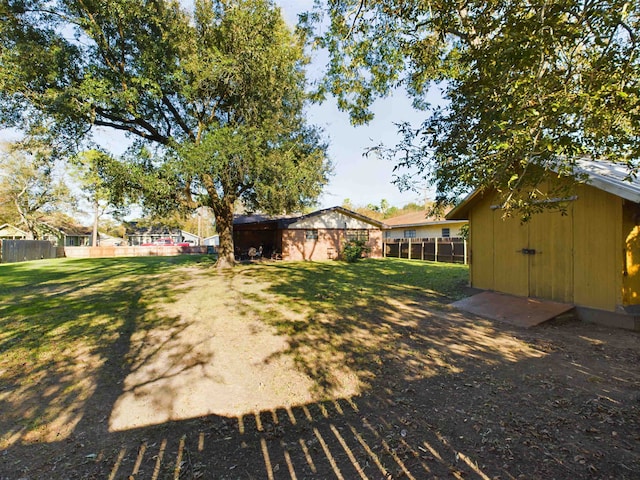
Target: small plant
354,249
464,231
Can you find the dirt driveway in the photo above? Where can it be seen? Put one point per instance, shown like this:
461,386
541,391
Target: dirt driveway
405,388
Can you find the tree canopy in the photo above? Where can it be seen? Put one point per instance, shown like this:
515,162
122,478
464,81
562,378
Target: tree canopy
530,86
30,191
214,98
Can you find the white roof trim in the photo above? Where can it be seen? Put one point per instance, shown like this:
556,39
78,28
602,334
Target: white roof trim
423,224
611,177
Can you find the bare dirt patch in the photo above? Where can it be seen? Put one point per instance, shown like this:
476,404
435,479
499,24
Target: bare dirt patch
244,375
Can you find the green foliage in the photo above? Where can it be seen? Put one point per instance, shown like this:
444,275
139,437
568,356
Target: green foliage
214,98
464,231
383,211
30,190
353,250
530,86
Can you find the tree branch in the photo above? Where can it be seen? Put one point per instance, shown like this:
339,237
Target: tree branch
120,123
178,118
361,5
131,129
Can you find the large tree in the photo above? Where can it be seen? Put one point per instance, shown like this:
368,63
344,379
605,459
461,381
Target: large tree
214,98
30,188
529,86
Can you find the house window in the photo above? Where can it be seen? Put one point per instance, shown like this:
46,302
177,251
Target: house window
311,235
355,235
409,234
446,233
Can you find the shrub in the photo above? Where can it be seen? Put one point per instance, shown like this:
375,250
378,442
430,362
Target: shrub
353,250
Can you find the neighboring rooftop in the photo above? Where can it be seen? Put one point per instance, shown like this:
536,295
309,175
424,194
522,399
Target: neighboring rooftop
414,219
285,220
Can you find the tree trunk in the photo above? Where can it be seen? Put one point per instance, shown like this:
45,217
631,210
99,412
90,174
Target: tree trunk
96,216
224,225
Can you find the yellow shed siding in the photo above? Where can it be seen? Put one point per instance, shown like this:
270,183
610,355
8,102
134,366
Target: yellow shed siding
510,265
579,255
551,268
481,249
597,249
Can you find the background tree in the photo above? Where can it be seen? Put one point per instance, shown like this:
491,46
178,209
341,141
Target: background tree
529,86
214,99
30,188
86,171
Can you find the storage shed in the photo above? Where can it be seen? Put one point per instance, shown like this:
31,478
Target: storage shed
589,256
316,236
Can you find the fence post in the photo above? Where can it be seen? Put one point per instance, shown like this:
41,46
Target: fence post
409,250
422,250
464,244
384,249
435,256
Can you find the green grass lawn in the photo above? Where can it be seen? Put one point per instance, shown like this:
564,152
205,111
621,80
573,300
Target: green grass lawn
71,326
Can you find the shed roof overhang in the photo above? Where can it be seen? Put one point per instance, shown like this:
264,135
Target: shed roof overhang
613,178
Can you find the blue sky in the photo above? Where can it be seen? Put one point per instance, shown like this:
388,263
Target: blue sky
362,180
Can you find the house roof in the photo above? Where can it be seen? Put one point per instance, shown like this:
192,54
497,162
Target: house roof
614,178
134,229
415,219
66,227
255,218
8,226
284,221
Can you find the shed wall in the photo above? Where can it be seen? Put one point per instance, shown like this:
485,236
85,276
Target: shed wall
597,249
481,248
578,256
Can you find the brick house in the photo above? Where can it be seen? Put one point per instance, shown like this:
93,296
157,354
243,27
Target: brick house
316,236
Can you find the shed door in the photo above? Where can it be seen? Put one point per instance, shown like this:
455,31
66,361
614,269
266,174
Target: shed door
534,259
510,266
551,256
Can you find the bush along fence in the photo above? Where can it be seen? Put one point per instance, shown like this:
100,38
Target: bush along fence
448,250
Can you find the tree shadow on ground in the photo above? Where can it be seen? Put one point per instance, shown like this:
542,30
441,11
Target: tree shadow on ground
442,394
70,350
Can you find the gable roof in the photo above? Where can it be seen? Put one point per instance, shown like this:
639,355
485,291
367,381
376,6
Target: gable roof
610,177
12,228
65,227
283,221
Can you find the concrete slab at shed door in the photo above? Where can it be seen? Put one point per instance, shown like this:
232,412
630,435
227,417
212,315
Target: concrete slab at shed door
519,311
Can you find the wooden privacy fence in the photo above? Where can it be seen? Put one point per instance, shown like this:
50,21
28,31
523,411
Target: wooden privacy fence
25,250
448,250
135,251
